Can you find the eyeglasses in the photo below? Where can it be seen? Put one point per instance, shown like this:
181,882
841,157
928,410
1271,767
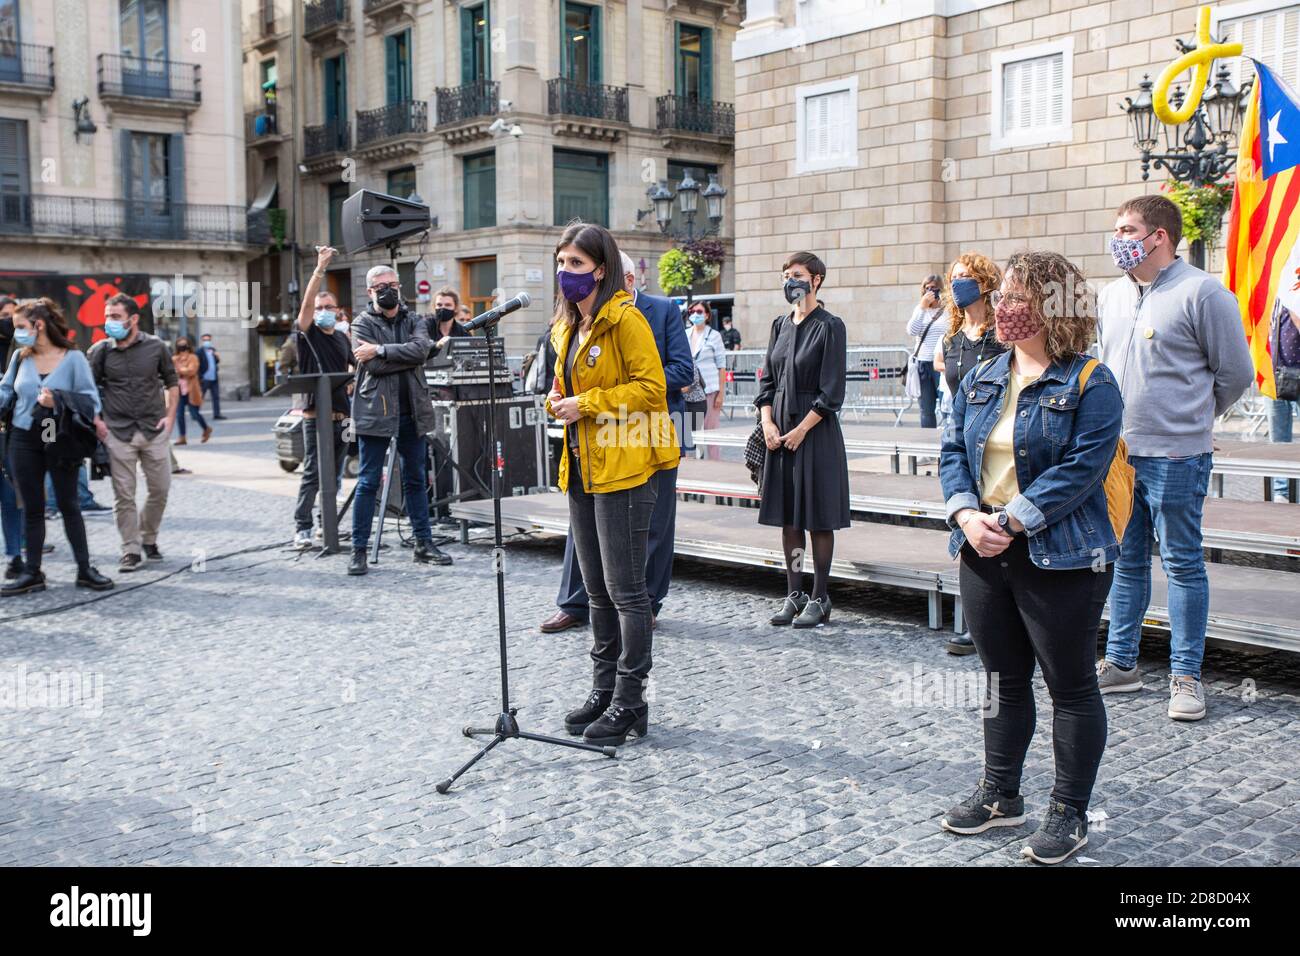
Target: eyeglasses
397,286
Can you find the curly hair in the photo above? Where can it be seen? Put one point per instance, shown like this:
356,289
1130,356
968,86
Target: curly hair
1061,296
984,270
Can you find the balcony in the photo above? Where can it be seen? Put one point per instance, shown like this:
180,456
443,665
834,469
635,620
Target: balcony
265,29
589,110
26,69
392,130
94,220
262,127
135,81
385,10
687,118
323,144
325,20
465,112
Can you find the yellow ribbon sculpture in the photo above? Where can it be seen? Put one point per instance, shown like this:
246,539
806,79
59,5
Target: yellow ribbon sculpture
1206,52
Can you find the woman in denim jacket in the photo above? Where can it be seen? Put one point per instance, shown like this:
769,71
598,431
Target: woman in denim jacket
1024,460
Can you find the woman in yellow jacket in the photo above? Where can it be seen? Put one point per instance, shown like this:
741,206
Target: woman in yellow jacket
610,394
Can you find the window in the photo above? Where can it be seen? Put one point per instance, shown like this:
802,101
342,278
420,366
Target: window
699,172
1270,32
580,42
15,183
406,278
11,66
694,63
478,283
826,125
153,182
338,193
475,49
335,84
401,181
143,26
397,63
581,187
1032,95
480,191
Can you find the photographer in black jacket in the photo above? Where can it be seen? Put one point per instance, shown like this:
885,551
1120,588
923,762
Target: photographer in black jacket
391,398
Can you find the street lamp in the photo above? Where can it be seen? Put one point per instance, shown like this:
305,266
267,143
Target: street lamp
713,196
662,198
1196,151
688,196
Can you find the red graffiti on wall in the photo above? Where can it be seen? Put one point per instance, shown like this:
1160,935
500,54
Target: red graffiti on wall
90,313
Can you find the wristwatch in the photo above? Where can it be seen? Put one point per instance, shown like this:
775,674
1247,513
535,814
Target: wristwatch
1004,522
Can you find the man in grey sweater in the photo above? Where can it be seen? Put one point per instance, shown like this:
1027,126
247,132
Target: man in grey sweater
1173,337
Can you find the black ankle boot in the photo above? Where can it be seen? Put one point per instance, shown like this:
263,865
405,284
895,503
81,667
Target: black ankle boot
15,568
358,563
89,577
27,582
426,552
617,724
576,721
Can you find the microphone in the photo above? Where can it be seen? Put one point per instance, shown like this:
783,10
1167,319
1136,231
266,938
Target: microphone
492,316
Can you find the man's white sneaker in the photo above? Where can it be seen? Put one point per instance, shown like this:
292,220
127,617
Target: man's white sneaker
1113,679
302,540
1186,697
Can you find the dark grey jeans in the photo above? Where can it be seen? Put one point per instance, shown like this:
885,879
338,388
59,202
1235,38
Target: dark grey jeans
610,533
310,483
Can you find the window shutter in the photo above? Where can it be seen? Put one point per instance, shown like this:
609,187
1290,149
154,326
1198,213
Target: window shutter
487,39
706,65
176,182
1033,93
596,36
390,69
128,180
679,61
466,46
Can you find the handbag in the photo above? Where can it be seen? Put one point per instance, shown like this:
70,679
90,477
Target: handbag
75,438
1286,378
1119,480
756,454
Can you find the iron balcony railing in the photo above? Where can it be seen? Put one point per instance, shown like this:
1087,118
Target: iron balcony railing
395,119
82,216
456,103
148,77
695,116
330,137
27,65
260,124
594,100
323,13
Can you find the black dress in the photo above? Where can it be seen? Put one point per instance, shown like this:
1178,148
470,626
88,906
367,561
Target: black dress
804,371
960,355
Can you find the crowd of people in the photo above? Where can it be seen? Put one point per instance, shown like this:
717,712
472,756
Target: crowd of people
1077,428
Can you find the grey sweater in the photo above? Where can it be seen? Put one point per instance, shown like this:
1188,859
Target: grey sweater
1179,353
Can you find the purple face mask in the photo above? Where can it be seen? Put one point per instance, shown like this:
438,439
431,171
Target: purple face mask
576,286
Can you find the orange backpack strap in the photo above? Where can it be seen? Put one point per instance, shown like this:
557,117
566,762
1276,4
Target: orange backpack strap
1086,374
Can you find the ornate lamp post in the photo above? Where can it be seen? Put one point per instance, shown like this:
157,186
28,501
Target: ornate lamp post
688,195
1200,150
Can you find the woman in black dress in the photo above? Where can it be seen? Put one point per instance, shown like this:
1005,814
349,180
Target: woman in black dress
805,473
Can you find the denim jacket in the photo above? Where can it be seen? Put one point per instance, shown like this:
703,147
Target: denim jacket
1064,446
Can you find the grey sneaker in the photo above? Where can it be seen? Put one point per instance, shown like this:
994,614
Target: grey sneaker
1186,697
984,809
1063,831
1113,679
794,604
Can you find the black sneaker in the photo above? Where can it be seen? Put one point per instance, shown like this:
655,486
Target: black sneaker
617,724
130,562
794,604
89,577
15,568
151,552
1063,831
25,583
960,645
576,721
985,808
358,564
426,552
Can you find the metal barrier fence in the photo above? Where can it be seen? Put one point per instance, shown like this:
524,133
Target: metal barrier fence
876,381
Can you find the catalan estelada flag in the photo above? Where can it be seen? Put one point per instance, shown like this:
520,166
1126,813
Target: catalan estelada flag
1264,224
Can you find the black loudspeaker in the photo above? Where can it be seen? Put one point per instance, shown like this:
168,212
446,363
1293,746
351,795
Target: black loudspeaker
373,219
521,430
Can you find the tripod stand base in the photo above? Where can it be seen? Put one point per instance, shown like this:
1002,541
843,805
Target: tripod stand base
507,728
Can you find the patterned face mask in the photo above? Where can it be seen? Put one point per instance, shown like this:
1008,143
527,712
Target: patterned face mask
1015,321
1129,253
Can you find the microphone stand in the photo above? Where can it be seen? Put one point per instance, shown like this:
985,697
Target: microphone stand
506,727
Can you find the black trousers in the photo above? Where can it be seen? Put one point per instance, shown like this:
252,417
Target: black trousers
1021,615
28,464
610,534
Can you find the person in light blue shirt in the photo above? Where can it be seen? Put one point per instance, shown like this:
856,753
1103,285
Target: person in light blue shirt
210,374
45,375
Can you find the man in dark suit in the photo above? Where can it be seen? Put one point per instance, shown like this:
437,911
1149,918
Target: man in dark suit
679,371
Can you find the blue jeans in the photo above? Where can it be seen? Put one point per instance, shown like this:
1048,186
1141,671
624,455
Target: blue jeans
1168,498
929,393
84,497
11,518
210,388
1280,414
415,482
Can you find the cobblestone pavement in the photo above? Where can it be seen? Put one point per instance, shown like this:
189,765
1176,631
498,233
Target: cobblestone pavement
264,708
